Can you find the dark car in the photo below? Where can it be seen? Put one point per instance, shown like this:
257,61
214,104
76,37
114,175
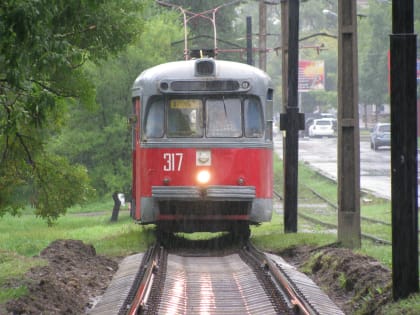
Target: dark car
380,136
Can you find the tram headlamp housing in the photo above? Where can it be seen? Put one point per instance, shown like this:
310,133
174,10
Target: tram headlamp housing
245,85
203,177
205,67
164,85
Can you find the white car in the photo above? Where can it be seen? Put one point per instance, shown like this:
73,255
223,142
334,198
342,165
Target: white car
323,127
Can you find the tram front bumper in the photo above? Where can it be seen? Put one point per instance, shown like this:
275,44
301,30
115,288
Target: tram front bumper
210,193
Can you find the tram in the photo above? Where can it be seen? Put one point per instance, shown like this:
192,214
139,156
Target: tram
202,146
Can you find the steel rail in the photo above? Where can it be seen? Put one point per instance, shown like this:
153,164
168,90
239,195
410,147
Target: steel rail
334,226
299,303
145,286
333,205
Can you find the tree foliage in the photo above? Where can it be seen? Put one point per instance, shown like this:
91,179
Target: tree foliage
374,30
104,137
43,48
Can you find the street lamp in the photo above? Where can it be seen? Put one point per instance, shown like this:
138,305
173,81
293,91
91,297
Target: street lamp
332,13
329,12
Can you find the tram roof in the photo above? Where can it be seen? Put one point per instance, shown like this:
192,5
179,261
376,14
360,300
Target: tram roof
185,70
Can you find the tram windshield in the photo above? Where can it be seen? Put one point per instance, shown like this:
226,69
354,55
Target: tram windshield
224,117
212,117
185,118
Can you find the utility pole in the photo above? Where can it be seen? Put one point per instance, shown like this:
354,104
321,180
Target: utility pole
284,55
263,36
348,149
405,259
249,41
291,121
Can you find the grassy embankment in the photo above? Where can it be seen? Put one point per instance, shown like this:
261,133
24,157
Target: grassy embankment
22,238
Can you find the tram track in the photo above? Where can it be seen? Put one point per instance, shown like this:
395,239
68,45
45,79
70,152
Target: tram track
243,281
335,207
334,226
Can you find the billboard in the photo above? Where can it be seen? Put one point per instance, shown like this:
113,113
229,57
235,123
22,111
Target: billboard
311,75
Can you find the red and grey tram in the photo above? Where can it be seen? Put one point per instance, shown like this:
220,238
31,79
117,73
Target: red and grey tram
202,146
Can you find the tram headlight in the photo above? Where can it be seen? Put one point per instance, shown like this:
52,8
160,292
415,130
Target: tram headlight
203,177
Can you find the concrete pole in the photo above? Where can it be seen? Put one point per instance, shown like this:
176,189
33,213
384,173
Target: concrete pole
263,36
348,147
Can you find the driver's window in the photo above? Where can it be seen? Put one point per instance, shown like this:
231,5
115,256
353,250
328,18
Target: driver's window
185,117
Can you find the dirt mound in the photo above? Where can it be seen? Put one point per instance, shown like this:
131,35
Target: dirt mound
355,282
67,285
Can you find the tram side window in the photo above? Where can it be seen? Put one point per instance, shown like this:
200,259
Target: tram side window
154,126
185,118
224,117
253,118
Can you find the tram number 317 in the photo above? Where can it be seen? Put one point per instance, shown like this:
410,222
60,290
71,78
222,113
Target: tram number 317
173,162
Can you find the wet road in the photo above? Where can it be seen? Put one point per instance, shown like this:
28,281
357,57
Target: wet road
321,154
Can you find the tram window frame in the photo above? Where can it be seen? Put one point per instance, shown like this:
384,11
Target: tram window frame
245,125
185,109
154,128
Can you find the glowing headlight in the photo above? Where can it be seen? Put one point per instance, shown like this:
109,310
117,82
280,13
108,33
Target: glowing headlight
203,177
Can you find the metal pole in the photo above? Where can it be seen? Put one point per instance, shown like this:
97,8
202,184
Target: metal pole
405,261
284,54
348,147
291,122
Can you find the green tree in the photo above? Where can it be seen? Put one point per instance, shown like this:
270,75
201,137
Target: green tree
374,32
318,31
99,138
43,48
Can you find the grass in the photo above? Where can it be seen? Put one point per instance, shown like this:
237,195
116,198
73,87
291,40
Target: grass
13,266
23,238
410,306
371,207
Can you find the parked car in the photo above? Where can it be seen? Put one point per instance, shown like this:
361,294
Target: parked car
323,127
309,119
380,136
